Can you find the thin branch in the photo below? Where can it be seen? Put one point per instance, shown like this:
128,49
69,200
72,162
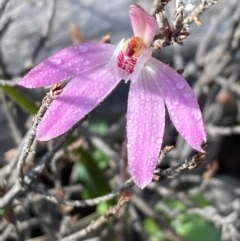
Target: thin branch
201,8
31,136
10,195
158,6
90,202
163,154
145,208
12,82
223,130
37,171
191,163
213,30
95,225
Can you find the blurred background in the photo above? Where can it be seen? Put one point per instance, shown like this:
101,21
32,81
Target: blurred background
195,205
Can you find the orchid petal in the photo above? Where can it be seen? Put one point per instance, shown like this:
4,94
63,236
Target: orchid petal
68,63
79,97
145,127
144,25
181,102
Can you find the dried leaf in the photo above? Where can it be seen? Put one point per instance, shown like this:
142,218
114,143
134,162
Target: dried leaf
106,39
75,34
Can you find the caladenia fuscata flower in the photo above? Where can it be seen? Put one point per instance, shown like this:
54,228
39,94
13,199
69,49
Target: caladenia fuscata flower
94,70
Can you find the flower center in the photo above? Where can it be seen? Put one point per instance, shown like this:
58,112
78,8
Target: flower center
129,54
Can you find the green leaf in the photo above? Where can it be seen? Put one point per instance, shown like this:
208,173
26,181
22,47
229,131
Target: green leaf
102,207
194,228
21,99
199,198
95,182
98,126
153,230
150,226
171,204
1,212
101,159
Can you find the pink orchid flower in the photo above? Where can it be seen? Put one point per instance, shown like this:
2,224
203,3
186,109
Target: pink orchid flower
96,68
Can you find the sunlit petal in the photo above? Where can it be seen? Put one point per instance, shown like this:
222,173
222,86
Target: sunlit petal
145,127
79,97
67,63
144,25
181,102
